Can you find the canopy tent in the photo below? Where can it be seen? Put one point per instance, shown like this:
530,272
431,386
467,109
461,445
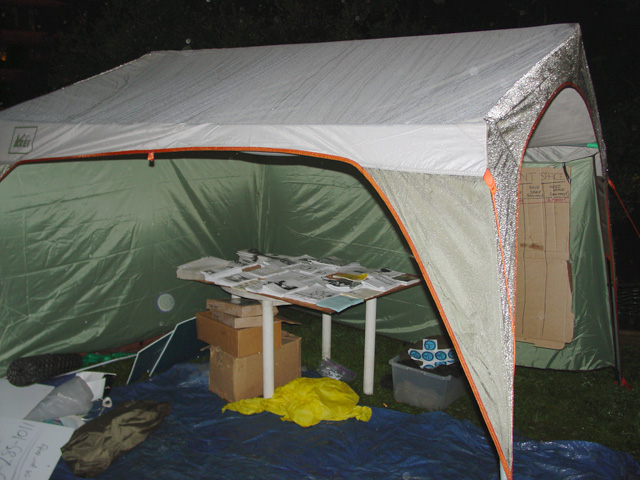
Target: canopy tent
437,128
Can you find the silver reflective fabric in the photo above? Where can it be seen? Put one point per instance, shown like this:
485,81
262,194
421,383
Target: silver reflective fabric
452,225
468,251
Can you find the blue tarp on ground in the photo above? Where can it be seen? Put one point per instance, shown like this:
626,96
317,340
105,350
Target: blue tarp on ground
198,441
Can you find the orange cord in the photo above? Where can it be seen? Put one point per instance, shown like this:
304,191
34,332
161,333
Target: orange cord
613,187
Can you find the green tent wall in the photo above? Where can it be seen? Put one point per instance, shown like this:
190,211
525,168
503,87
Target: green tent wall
90,245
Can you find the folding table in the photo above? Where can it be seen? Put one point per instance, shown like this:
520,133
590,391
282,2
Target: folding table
268,302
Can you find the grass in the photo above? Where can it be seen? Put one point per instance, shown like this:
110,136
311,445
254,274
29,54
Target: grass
549,405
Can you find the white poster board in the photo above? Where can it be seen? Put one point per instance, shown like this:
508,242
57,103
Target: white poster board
17,402
30,450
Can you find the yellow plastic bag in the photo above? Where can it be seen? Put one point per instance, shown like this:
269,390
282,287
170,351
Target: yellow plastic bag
307,401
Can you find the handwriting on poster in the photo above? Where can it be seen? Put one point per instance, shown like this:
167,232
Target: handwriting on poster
29,450
544,185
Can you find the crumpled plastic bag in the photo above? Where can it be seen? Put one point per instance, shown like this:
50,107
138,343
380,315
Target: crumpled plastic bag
74,397
95,445
307,401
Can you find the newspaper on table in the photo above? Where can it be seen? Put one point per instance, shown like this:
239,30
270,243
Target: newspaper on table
249,255
269,264
193,270
334,262
353,270
266,271
210,269
236,279
212,274
312,294
303,278
286,283
254,286
283,260
379,282
311,269
406,278
340,284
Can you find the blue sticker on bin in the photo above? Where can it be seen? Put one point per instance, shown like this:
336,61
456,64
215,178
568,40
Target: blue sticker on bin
441,355
452,354
429,345
428,356
414,354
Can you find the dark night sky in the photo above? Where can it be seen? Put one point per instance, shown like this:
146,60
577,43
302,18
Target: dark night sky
118,31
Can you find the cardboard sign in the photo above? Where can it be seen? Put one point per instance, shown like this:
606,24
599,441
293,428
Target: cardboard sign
544,288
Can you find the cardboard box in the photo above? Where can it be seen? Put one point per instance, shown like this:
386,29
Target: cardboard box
236,322
234,379
239,342
424,389
238,307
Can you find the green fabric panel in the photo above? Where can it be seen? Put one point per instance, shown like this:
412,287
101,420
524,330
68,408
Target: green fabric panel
88,247
329,208
323,207
592,346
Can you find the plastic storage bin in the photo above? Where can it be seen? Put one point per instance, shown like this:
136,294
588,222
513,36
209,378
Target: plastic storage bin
421,388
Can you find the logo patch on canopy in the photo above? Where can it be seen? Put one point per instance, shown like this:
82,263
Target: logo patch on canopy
22,140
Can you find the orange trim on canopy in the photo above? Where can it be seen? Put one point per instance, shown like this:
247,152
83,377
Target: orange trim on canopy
151,155
483,411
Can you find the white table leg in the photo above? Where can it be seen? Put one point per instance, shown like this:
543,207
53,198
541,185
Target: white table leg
326,336
267,349
369,345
